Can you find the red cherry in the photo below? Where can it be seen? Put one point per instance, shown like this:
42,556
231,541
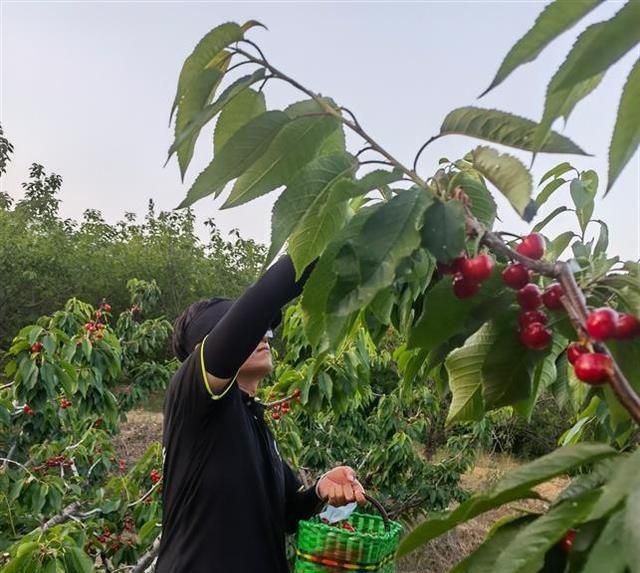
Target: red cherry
36,347
296,393
593,367
574,351
529,297
516,276
106,307
27,410
535,336
602,323
87,326
99,335
275,415
478,268
627,326
100,326
530,317
567,540
551,297
452,267
155,476
463,288
532,246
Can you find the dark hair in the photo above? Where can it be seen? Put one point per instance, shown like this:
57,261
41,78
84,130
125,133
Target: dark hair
180,325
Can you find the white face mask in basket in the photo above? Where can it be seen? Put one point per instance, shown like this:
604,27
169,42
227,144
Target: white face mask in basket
335,514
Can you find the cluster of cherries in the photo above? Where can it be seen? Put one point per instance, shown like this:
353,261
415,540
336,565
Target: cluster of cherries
155,476
96,326
115,541
64,403
36,347
284,408
340,524
28,410
468,274
602,324
54,462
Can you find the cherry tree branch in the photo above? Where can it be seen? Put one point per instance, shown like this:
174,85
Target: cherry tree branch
148,557
560,270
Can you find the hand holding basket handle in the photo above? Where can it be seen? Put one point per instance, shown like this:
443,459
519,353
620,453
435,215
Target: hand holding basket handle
339,486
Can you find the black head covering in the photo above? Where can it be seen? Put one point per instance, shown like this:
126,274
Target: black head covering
207,318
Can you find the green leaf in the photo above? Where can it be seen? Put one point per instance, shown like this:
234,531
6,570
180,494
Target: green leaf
443,230
559,245
325,384
482,560
550,217
624,481
516,484
191,104
554,464
614,39
583,198
632,531
562,96
505,372
509,176
188,135
291,149
376,179
21,563
503,128
627,355
77,561
208,52
603,239
482,204
309,209
542,370
626,134
556,18
549,190
240,110
556,171
452,315
316,320
531,543
148,531
241,151
607,553
465,380
368,263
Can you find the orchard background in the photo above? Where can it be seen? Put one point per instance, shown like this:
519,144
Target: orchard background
429,337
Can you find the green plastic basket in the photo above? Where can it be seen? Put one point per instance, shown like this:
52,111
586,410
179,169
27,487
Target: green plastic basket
371,547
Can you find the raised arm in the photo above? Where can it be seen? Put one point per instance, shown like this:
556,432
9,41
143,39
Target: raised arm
237,334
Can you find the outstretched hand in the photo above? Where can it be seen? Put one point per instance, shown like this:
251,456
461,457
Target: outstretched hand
339,486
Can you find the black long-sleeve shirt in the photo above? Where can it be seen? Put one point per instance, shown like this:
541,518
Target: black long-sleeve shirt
228,496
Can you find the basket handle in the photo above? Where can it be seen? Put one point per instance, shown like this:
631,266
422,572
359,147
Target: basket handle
383,512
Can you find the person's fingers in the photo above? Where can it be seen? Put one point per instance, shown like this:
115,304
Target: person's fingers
333,494
339,495
358,492
349,474
349,494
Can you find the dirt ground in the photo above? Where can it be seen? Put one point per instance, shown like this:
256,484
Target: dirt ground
144,427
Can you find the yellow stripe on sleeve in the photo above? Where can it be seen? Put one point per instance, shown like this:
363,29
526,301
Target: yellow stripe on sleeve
204,375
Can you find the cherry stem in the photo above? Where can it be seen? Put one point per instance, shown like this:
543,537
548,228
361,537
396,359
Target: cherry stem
281,401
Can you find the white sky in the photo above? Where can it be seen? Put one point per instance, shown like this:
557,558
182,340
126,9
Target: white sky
86,89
